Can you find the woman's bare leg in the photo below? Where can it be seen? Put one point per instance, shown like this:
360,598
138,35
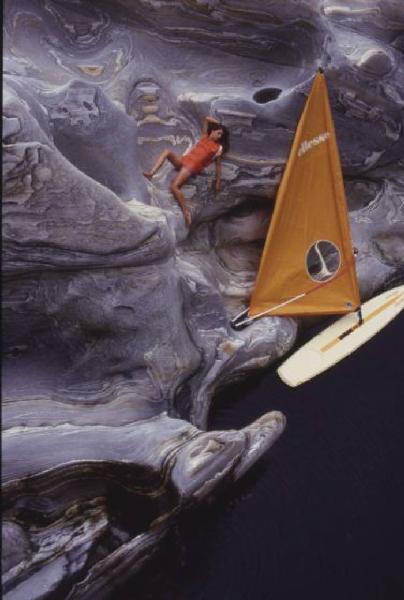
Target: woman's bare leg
165,155
178,182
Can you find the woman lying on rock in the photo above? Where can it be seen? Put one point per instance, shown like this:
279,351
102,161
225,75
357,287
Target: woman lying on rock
193,162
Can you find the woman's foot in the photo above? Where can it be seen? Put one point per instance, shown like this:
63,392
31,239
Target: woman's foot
148,175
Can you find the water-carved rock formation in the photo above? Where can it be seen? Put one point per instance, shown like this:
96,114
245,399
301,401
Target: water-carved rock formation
116,317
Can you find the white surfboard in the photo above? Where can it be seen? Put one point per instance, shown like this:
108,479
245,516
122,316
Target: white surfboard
341,338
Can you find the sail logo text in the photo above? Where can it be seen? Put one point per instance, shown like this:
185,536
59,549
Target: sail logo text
305,146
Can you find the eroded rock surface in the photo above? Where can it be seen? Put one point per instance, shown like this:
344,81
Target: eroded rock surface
116,317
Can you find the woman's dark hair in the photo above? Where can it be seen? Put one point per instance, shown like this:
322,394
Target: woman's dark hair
224,140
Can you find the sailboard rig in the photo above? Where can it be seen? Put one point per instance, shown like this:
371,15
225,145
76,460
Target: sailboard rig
308,265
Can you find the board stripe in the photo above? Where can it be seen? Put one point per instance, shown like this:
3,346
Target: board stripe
369,317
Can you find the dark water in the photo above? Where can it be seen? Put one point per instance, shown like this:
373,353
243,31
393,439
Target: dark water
321,516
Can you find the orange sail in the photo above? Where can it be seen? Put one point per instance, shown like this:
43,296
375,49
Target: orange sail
307,266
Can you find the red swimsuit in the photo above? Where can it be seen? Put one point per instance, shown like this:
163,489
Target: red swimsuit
200,155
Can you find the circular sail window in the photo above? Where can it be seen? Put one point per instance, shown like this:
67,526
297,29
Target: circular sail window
323,260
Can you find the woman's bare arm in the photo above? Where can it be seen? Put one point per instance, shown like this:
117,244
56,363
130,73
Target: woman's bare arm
206,123
218,173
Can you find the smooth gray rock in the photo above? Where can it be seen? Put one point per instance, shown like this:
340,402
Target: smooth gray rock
147,471
116,316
